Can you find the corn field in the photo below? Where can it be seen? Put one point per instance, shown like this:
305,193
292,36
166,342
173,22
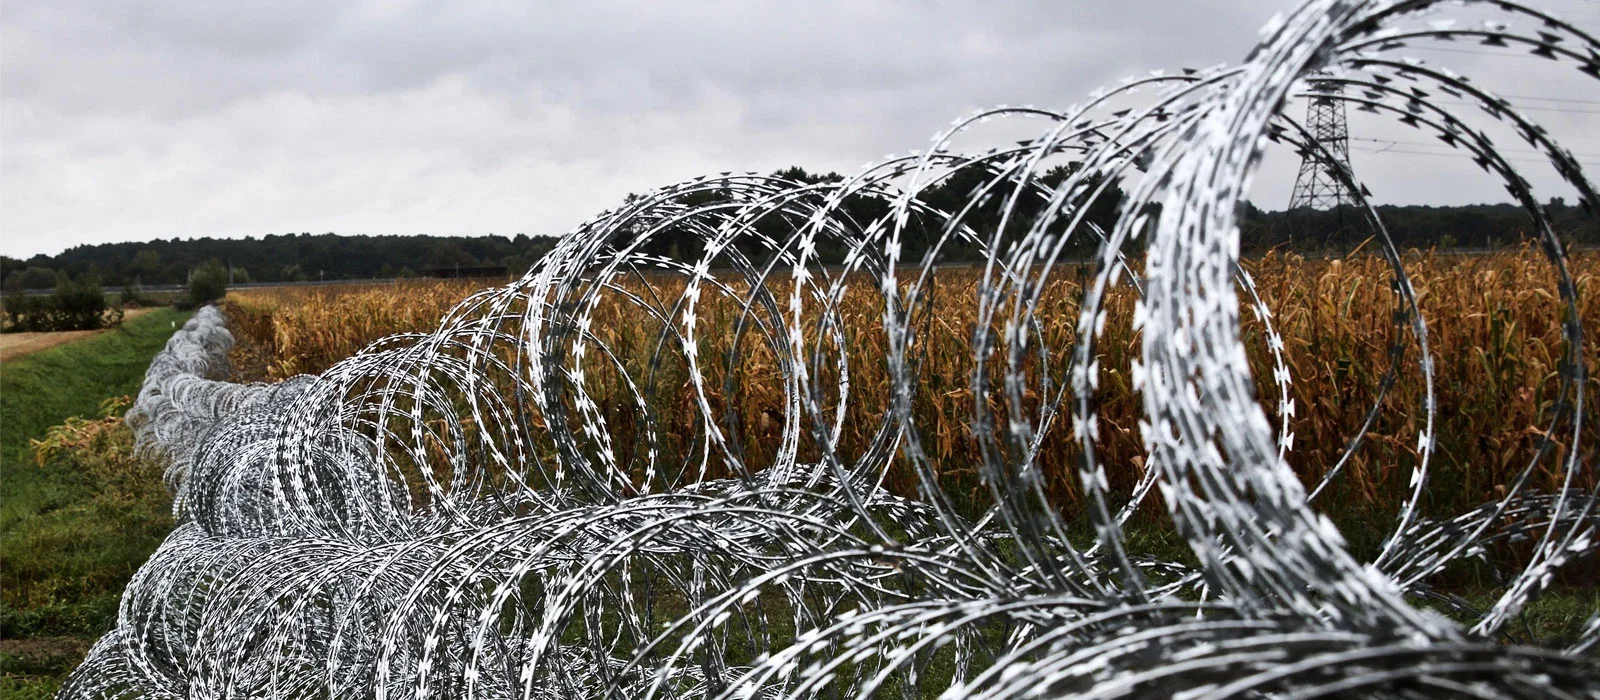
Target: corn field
1493,328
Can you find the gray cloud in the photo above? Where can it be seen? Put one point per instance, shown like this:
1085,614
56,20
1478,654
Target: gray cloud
126,121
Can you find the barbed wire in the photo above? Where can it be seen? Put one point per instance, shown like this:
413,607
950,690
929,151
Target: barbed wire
558,494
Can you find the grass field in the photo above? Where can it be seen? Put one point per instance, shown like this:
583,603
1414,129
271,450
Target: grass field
75,525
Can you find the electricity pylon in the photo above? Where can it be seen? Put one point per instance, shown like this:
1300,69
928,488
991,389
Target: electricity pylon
1317,188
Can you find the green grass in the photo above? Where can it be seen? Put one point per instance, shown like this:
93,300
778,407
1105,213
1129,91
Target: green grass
46,387
74,529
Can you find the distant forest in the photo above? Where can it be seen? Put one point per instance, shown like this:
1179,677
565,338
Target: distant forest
330,256
1475,226
276,258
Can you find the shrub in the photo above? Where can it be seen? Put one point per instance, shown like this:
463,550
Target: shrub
80,304
23,312
34,277
76,305
208,283
132,294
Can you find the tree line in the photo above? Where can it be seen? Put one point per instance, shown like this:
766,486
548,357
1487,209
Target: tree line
329,256
274,258
1478,226
81,304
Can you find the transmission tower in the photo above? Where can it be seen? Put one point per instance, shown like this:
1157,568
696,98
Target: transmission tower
1317,188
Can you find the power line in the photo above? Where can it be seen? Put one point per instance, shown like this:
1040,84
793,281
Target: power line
1538,108
1552,99
1542,108
1528,158
1438,144
1513,159
1527,108
1403,152
1495,54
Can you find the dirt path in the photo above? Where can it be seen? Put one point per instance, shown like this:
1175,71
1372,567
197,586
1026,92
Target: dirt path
15,345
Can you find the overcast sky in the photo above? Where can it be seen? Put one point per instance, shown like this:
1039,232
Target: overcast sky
129,121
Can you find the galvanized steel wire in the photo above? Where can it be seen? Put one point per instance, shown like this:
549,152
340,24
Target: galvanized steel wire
461,513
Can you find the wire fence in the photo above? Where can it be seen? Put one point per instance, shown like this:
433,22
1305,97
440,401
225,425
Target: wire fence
550,496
